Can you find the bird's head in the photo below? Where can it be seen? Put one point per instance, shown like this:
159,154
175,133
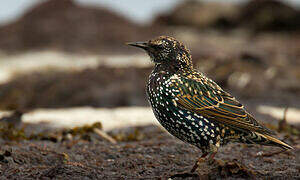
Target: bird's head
166,50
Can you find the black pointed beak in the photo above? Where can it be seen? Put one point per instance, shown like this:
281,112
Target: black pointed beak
143,45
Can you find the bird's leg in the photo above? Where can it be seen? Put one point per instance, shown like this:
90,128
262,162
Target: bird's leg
211,157
198,161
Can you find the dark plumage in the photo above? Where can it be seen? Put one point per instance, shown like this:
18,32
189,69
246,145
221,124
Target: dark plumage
193,107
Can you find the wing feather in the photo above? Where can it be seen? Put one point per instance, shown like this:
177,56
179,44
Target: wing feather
209,100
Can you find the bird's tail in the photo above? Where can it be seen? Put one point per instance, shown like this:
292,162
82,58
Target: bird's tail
269,140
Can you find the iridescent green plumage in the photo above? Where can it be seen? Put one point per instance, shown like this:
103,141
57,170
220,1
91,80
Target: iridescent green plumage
194,108
203,96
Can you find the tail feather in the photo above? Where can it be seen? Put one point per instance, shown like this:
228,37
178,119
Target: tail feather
274,141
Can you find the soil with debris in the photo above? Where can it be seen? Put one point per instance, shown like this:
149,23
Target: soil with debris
140,152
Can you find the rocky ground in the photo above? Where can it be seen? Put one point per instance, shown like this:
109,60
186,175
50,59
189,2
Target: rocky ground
140,152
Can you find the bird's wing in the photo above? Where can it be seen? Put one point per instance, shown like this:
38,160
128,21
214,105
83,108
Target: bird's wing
206,98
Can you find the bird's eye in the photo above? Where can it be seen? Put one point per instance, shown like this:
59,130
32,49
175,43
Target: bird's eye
158,46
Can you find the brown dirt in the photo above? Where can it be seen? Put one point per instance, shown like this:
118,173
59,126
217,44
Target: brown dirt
156,155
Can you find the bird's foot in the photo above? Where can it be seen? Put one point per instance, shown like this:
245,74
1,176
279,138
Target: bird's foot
211,161
202,159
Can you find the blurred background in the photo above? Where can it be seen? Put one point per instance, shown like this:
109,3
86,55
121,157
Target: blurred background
65,62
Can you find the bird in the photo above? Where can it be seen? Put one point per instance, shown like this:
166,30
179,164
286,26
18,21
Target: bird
192,107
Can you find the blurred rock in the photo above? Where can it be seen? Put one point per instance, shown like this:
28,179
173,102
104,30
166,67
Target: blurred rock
269,15
201,15
64,25
101,87
255,15
125,86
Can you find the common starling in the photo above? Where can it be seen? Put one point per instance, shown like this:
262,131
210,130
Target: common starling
192,107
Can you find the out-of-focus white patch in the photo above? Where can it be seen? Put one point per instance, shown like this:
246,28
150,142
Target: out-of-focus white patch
110,118
292,116
47,60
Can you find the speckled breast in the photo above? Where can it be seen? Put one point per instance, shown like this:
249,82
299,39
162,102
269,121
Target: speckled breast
183,124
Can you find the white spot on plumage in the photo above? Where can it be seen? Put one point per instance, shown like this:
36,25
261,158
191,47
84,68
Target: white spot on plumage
200,123
206,120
